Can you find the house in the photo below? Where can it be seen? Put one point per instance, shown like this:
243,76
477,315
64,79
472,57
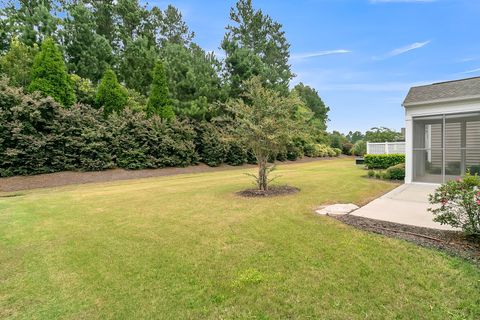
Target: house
442,131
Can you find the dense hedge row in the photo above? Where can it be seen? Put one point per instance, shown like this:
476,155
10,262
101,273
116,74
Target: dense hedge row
383,161
37,135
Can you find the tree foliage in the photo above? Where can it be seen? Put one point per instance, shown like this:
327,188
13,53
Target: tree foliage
313,101
194,80
255,45
37,135
32,21
265,123
110,94
382,134
88,53
159,99
17,63
49,74
98,41
353,137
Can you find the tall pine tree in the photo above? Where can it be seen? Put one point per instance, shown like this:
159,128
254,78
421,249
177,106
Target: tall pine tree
49,74
88,54
159,100
110,94
255,44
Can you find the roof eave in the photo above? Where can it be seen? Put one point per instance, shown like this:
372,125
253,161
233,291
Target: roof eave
456,99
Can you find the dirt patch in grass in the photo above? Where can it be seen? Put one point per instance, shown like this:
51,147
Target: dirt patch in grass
273,191
452,242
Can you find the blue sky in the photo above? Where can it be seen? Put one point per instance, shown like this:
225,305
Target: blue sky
361,55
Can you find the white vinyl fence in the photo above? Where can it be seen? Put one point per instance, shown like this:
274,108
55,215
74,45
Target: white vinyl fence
385,147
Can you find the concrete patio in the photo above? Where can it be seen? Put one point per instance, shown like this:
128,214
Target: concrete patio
406,204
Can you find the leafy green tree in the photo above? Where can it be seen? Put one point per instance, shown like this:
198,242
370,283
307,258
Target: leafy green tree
355,136
265,122
88,54
130,16
193,79
159,99
110,94
49,74
104,18
337,140
32,20
313,101
382,134
17,63
256,45
173,29
136,64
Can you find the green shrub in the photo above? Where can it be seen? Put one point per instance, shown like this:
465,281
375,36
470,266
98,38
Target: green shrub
37,135
458,204
140,143
159,102
294,150
383,161
210,146
320,150
236,154
110,94
386,175
378,174
347,148
371,173
49,74
397,172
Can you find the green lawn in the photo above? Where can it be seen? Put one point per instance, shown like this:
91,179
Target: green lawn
186,247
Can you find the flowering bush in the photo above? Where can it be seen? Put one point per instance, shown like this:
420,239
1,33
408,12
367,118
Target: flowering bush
459,204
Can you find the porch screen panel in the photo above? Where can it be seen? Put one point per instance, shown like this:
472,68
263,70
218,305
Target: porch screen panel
473,146
453,147
427,149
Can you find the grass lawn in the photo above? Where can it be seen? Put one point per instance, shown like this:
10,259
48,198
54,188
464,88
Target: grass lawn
186,247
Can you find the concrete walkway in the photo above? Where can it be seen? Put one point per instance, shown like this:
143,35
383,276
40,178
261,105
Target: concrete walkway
406,204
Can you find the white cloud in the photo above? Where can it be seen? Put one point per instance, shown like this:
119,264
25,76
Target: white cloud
471,71
402,50
307,55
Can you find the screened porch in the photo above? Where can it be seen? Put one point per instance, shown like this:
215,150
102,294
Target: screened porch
445,146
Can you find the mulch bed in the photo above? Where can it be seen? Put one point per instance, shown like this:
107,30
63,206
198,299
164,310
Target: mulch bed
57,179
452,242
273,191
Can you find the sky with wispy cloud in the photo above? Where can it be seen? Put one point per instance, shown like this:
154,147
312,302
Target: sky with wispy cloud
361,55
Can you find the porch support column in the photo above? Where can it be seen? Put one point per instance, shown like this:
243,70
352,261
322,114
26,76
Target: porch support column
463,163
408,149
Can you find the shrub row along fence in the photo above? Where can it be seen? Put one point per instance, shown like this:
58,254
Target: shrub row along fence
383,161
39,136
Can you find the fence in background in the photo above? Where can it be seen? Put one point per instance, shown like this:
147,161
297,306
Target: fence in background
385,147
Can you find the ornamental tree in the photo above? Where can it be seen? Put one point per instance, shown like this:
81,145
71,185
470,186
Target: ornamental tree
49,74
110,94
265,121
159,100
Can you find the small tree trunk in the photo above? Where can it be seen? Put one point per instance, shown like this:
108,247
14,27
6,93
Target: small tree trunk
262,174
